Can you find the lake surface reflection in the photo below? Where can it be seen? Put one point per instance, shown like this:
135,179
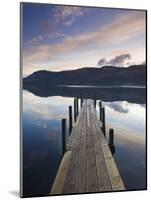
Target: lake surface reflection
42,147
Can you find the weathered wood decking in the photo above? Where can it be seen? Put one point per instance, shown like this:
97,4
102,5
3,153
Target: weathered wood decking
87,165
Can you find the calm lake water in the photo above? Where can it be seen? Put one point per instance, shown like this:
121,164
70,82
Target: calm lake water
42,147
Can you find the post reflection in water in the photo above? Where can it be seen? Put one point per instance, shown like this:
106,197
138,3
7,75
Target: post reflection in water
128,120
42,146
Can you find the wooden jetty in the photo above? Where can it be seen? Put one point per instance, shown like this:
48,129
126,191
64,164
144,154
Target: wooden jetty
87,164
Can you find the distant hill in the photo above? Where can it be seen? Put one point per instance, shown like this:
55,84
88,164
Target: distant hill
107,75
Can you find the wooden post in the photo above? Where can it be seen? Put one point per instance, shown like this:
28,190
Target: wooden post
100,110
77,110
81,102
95,102
111,140
103,121
70,119
63,136
111,136
75,115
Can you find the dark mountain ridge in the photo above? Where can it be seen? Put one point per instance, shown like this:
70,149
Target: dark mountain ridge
107,75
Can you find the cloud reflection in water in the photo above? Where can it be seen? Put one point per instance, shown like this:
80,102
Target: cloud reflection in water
126,115
45,108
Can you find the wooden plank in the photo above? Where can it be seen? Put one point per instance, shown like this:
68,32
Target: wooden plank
76,138
60,178
102,172
80,182
74,131
98,127
92,179
114,175
115,178
69,184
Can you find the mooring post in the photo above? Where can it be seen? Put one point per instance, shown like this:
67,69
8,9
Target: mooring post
77,110
100,110
111,140
70,119
63,136
75,115
103,121
111,136
81,102
95,101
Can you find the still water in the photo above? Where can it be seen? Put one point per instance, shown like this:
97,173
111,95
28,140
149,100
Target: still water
42,147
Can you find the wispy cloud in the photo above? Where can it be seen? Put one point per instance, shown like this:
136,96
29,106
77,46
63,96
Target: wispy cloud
120,60
56,34
36,38
68,14
124,27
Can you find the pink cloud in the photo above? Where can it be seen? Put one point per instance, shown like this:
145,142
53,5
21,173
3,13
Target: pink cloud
122,29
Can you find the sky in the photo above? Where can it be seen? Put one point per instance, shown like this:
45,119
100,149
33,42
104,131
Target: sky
57,38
